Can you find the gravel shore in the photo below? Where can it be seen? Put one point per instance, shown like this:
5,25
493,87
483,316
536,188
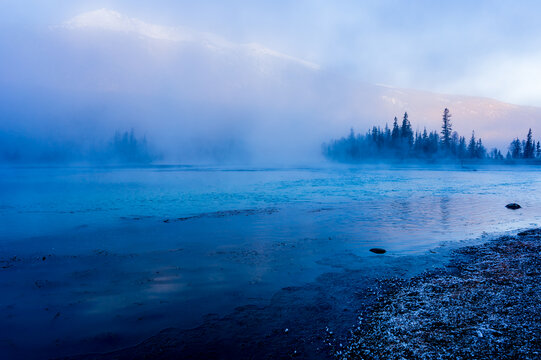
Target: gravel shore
485,304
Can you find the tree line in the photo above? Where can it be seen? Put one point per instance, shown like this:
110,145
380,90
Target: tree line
400,142
125,147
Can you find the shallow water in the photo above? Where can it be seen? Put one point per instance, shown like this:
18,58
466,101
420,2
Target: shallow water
94,259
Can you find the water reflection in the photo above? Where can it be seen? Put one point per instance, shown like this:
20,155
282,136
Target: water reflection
445,210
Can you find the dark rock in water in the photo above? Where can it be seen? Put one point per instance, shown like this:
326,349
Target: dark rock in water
513,206
531,232
378,251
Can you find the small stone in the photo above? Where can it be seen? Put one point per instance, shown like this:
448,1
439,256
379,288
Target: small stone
513,206
378,251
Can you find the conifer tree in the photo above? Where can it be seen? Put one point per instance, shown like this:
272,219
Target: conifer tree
395,134
387,134
480,151
446,130
406,131
472,146
516,149
402,143
462,151
529,149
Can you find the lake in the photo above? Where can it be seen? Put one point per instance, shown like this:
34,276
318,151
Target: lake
96,259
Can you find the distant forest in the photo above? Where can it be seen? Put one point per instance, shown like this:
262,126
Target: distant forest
401,143
122,148
127,148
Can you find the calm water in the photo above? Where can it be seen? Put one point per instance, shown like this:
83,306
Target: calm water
97,259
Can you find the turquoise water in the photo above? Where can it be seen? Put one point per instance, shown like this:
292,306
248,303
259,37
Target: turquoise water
45,201
120,253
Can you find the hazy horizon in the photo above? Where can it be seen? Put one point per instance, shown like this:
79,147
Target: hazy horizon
239,83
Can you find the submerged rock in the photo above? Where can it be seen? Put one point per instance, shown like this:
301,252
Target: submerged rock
378,251
513,206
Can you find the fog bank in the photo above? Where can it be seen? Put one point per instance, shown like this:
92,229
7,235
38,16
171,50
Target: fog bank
197,97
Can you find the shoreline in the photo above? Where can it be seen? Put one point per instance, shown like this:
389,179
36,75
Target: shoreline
349,315
484,304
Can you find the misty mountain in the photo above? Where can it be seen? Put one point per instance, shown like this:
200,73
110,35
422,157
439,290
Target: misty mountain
199,97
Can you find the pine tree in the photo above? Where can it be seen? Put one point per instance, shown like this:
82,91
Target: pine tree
406,131
400,142
516,149
417,143
494,154
446,130
529,149
462,151
375,134
424,143
433,143
472,146
455,139
387,134
395,133
480,151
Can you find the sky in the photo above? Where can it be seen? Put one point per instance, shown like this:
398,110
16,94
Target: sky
483,48
203,79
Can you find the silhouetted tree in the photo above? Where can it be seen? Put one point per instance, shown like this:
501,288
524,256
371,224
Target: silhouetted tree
529,146
406,131
395,134
387,134
462,151
401,142
446,130
495,154
128,149
472,146
515,149
453,146
480,151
